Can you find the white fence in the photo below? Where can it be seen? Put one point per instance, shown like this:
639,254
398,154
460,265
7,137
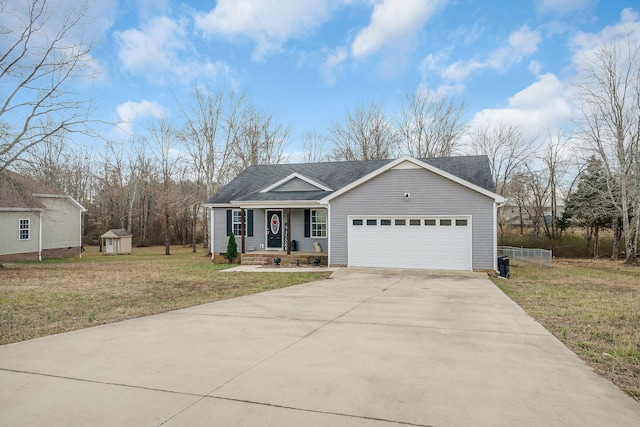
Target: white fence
538,256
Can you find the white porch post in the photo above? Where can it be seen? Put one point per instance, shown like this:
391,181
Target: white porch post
211,235
40,236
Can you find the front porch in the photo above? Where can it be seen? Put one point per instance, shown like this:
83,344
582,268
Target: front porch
288,259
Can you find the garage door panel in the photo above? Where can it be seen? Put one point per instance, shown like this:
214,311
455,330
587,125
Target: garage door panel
412,246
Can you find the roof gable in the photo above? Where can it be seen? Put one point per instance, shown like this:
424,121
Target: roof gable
249,185
296,182
408,162
116,232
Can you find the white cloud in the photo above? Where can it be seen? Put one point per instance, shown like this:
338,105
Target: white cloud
542,105
535,67
520,44
394,24
161,51
269,23
131,111
332,64
585,45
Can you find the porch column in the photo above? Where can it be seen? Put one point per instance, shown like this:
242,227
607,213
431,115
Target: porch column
288,231
242,230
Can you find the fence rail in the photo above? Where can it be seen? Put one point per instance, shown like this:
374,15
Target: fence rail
538,256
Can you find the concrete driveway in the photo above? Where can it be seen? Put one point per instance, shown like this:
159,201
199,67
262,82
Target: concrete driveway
365,348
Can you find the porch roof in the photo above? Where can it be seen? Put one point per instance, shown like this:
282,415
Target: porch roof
282,196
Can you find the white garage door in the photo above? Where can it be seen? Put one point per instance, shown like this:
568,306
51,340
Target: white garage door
440,243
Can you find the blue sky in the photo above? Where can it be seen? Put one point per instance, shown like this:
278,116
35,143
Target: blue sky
308,62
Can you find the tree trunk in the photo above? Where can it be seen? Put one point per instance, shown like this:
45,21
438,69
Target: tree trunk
167,235
596,241
615,252
521,220
194,228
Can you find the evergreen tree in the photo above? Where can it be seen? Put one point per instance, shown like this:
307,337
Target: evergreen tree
232,249
590,205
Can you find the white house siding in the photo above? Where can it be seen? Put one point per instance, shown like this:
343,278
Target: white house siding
60,224
10,242
431,194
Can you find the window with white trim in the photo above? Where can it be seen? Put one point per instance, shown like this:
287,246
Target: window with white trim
318,223
25,229
236,221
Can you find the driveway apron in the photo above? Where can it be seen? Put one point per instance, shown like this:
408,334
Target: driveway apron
368,347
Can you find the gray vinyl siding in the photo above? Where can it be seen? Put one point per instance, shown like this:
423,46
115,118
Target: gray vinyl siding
220,231
431,194
305,244
221,239
296,184
10,242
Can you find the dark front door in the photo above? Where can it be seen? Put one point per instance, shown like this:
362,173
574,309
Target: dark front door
274,229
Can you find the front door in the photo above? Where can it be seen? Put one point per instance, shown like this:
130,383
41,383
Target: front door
274,229
109,246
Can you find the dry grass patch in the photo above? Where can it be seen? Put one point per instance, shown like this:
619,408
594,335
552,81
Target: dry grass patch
39,299
592,306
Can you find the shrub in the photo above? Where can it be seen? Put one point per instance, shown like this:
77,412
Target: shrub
232,249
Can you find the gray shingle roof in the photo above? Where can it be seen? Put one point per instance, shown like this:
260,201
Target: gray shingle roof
336,175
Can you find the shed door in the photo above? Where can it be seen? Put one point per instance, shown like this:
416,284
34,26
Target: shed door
109,245
438,243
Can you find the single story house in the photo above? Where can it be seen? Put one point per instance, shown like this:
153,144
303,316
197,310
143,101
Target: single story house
37,221
436,213
116,241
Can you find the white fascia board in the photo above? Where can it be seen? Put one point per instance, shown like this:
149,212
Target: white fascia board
293,176
21,210
63,196
275,204
496,197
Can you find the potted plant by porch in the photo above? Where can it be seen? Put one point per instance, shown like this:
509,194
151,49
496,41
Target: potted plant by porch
232,249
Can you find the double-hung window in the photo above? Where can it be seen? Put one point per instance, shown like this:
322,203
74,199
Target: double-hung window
318,223
237,222
25,229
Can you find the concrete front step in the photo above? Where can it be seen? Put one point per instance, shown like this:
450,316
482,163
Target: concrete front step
267,259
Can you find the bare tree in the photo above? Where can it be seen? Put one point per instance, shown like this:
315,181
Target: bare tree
205,140
431,125
507,148
43,50
609,93
314,147
163,139
556,166
257,139
537,194
365,134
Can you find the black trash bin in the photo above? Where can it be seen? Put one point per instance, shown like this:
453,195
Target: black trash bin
503,266
294,246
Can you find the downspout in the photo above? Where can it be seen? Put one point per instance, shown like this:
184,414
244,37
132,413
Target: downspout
328,234
40,236
211,236
495,233
80,234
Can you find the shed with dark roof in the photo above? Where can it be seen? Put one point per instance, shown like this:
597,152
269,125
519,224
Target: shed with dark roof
117,241
437,213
